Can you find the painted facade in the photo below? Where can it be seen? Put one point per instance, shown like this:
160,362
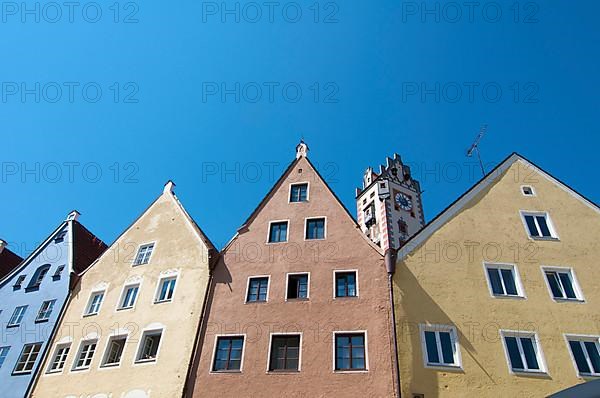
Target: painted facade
131,325
499,295
299,303
32,299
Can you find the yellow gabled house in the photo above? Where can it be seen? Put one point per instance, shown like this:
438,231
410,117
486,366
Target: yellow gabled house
498,296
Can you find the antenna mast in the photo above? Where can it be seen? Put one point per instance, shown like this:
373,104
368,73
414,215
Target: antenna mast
475,147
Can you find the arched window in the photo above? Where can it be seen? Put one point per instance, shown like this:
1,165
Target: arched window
37,278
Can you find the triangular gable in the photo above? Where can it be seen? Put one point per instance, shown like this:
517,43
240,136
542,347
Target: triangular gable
491,178
8,261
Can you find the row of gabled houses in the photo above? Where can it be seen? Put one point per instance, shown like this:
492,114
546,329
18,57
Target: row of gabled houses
495,296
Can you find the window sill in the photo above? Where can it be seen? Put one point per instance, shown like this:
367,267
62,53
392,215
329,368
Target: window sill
225,372
30,289
143,361
21,373
256,302
532,373
277,243
41,320
350,371
509,297
90,315
163,301
109,365
13,326
126,308
283,372
345,298
80,369
567,300
544,238
445,368
291,300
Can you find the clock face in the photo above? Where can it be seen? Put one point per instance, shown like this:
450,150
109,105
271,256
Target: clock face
404,201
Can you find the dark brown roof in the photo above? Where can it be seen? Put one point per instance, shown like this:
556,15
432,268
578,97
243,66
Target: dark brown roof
86,247
8,262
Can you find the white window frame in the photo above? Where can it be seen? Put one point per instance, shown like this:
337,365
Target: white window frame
287,282
82,344
583,338
269,232
436,328
299,183
214,354
103,364
324,218
137,252
333,346
339,271
87,307
299,352
123,294
553,234
574,282
140,347
55,356
20,317
161,279
537,347
533,193
24,372
516,275
248,289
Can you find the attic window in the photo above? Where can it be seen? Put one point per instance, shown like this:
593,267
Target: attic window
19,282
37,278
58,272
60,237
528,190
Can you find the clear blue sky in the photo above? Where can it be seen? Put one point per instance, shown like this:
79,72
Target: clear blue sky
367,72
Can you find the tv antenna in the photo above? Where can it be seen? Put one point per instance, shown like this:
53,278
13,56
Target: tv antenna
475,147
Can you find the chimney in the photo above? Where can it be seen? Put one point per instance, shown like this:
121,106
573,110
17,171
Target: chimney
3,244
73,216
169,187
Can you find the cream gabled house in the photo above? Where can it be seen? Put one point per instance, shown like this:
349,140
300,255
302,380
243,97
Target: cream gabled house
130,328
498,296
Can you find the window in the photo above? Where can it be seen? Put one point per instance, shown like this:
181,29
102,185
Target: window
149,346
19,282
95,303
60,237
539,226
37,278
86,354
297,287
3,355
17,316
503,280
523,351
114,351
258,289
299,193
285,353
278,232
128,297
45,311
60,357
527,190
562,284
166,289
58,272
350,352
228,354
28,357
345,284
440,345
586,355
143,254
315,228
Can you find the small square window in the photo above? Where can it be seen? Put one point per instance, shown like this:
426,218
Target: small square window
128,297
114,351
258,289
150,343
94,303
143,255
346,284
27,359
17,316
350,352
86,354
562,284
527,190
285,353
60,358
315,228
539,226
297,287
3,354
228,354
504,280
278,232
523,351
19,282
440,344
585,352
45,311
299,193
58,272
166,289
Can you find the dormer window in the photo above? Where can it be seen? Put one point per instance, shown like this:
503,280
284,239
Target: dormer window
299,193
60,237
58,272
143,255
19,282
37,278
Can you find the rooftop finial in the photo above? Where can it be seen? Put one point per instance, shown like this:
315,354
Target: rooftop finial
169,187
301,149
73,216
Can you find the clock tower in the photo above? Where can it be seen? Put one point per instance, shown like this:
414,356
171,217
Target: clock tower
389,206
